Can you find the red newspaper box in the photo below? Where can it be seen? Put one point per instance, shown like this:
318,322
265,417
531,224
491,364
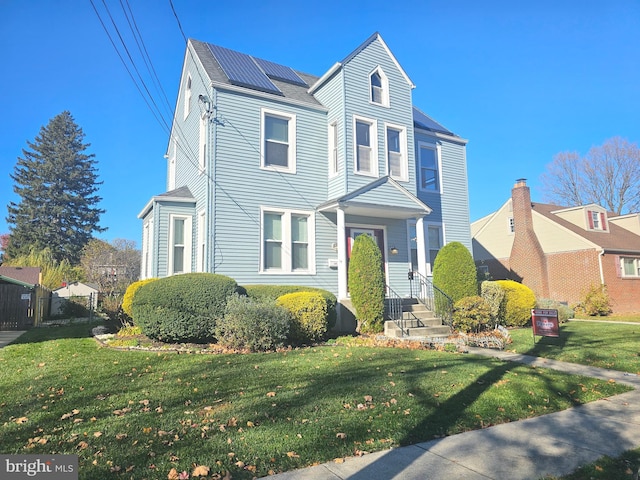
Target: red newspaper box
545,322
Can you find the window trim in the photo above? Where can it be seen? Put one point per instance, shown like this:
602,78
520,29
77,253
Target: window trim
440,227
186,268
597,221
187,96
201,243
636,261
333,157
373,135
291,133
437,148
147,250
384,87
287,242
404,176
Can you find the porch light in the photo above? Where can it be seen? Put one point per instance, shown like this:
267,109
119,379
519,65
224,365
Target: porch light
393,251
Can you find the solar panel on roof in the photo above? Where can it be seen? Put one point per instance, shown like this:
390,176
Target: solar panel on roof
241,70
280,72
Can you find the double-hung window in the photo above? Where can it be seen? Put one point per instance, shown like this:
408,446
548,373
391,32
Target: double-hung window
287,241
278,141
366,153
379,88
396,152
428,156
179,244
597,220
630,267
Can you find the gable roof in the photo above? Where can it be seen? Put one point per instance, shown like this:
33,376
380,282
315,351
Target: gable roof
617,239
424,121
25,275
383,196
180,195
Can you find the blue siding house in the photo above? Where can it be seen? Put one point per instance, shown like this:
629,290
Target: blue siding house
271,172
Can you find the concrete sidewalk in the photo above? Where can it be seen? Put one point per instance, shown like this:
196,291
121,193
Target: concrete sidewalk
554,444
8,336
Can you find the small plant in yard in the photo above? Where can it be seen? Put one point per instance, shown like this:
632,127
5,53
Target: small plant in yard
595,302
493,294
565,313
515,309
471,314
308,316
366,284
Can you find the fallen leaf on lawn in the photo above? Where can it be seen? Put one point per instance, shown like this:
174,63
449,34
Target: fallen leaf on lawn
368,398
239,464
233,422
129,468
121,436
407,411
341,435
250,424
82,445
173,474
97,434
21,420
146,430
293,455
42,364
271,394
338,460
200,471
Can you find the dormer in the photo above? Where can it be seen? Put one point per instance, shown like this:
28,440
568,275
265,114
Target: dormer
630,221
378,87
592,217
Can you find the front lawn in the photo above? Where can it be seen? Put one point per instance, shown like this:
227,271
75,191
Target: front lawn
604,345
139,414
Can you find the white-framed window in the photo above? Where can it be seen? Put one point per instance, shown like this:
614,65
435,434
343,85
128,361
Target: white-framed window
278,151
597,220
429,164
378,88
396,141
511,226
287,243
201,239
333,149
171,177
147,251
630,267
179,244
187,96
434,244
366,146
202,150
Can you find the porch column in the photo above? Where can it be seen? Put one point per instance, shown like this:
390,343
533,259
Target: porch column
342,255
421,245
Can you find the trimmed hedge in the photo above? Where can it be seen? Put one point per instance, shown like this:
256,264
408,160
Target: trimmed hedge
471,314
256,325
515,310
182,308
454,272
308,316
130,293
276,291
366,284
493,294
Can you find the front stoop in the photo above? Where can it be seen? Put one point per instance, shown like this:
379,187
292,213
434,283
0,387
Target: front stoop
418,322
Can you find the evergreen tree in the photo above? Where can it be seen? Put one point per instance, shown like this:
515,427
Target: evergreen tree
57,184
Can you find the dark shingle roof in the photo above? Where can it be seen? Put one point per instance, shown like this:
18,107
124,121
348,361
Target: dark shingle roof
617,239
424,121
30,275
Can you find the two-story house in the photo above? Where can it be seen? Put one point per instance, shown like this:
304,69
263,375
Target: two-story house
273,172
561,252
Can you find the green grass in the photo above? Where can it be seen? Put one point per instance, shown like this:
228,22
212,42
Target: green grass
140,414
604,345
625,467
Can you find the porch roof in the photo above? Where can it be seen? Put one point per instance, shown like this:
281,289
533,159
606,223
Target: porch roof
383,198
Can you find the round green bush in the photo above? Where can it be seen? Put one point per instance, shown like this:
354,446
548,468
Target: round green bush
471,314
276,291
308,316
454,271
130,293
182,308
515,310
366,284
255,325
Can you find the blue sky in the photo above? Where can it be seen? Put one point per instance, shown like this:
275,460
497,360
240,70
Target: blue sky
521,81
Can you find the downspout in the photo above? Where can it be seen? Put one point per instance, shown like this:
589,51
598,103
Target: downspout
600,265
211,211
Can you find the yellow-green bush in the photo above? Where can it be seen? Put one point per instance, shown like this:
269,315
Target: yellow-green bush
129,294
515,309
471,314
309,316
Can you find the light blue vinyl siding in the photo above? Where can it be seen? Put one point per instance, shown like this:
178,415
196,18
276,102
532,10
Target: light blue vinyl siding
163,212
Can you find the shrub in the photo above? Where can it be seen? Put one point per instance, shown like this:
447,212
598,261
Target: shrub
564,311
75,307
454,271
130,293
182,308
493,294
276,291
308,316
515,310
595,301
471,314
366,284
256,325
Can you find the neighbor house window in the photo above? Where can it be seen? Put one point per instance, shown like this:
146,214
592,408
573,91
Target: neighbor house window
287,241
366,152
179,244
187,97
630,267
333,149
510,225
434,237
278,141
396,153
429,159
597,220
379,88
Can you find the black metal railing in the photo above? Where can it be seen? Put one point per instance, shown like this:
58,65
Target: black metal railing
432,297
393,309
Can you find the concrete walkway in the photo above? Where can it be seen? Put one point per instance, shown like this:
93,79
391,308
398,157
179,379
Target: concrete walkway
8,336
554,444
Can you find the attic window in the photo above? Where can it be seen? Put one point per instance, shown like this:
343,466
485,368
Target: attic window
379,88
597,220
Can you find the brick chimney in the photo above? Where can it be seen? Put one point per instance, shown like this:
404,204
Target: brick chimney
527,261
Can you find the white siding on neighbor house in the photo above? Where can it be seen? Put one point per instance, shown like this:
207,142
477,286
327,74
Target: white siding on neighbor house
629,222
555,239
494,240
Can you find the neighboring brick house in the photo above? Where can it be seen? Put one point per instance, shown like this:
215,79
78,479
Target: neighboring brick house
560,252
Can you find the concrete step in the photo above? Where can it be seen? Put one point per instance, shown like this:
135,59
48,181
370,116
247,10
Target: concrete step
422,322
392,330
